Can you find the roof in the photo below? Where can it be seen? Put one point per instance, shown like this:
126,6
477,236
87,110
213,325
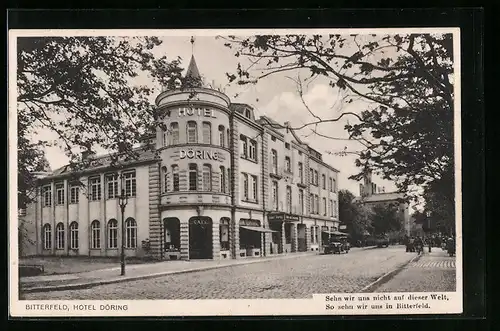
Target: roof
192,70
103,161
381,197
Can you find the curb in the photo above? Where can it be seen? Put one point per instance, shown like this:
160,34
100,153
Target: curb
387,276
86,285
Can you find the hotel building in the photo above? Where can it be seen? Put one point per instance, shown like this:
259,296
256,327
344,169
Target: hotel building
218,183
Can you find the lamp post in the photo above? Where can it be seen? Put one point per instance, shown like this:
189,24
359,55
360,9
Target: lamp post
122,201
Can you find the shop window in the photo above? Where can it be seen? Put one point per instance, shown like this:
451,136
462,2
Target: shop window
224,234
172,234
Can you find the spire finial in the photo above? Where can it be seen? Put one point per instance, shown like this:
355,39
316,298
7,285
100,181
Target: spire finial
192,44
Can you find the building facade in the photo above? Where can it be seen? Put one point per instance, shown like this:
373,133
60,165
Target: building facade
217,183
372,195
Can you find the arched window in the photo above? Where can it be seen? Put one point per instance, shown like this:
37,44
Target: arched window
222,179
73,235
113,233
222,135
174,133
47,236
207,177
175,177
228,138
95,239
165,137
60,236
193,177
207,132
192,133
131,233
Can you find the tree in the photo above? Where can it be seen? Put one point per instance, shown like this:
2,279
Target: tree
406,132
86,90
354,215
385,219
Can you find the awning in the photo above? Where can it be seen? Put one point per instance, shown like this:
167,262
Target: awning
336,233
257,228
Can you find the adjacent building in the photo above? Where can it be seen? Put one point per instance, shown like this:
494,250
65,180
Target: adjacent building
217,183
371,195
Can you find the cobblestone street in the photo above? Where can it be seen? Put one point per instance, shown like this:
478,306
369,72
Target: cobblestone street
433,272
289,278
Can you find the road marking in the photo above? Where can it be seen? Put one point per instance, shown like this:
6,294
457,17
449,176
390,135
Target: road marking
445,264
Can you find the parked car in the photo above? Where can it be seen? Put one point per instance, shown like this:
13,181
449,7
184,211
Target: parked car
382,241
337,245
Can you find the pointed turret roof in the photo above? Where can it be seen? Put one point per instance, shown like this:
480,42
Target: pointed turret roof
192,71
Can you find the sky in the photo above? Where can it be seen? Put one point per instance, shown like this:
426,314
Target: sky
275,96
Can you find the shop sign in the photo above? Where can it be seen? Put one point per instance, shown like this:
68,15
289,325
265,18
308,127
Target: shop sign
249,222
200,221
283,217
198,154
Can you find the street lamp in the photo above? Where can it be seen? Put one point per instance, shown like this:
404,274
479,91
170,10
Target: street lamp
122,201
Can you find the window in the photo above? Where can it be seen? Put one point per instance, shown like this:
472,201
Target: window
274,161
95,239
245,187
244,146
192,134
273,138
130,183
60,194
323,180
228,138
207,177
47,195
324,206
331,208
312,203
74,194
113,233
60,236
175,177
312,234
222,179
207,132
73,235
275,195
164,174
288,167
334,185
288,199
130,233
95,188
301,201
165,137
228,180
193,177
254,188
248,114
335,214
301,173
316,181
316,200
174,133
252,153
311,175
330,184
222,138
112,186
47,237
287,145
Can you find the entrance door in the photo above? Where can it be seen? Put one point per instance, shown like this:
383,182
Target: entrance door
301,240
200,238
277,244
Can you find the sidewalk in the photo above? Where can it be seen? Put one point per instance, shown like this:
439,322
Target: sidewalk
139,271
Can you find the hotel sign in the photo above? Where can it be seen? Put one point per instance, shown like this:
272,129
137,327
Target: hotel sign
205,112
283,217
198,154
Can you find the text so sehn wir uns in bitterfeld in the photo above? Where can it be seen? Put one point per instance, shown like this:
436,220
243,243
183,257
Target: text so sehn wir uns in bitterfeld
382,301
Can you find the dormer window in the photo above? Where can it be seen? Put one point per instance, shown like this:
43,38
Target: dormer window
248,114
